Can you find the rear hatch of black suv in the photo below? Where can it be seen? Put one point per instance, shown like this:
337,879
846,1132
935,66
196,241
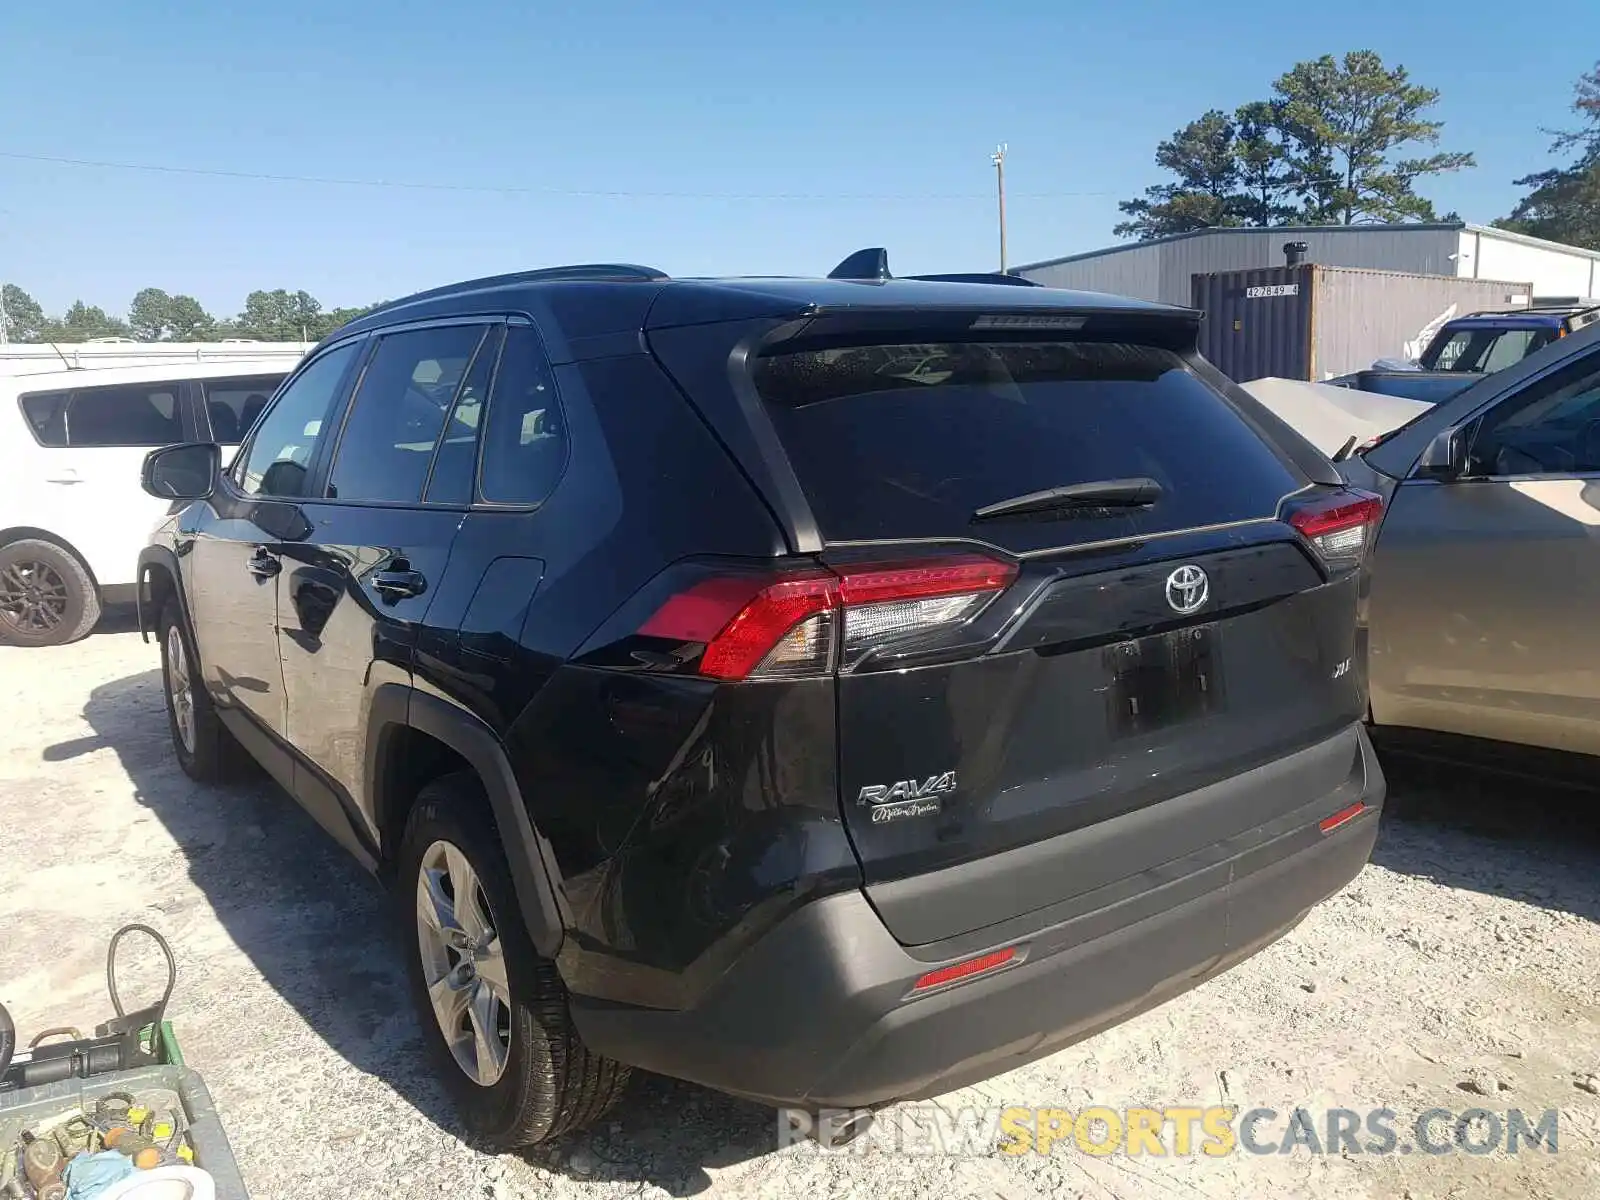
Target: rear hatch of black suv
1065,584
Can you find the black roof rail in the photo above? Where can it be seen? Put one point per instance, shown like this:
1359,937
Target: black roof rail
1533,309
872,263
979,277
577,272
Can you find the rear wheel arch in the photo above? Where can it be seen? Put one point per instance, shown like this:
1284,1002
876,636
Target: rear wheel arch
414,738
402,761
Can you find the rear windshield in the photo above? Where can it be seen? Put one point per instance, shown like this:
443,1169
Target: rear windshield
1485,350
904,441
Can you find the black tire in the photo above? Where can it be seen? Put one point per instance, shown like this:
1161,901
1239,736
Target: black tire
47,597
215,757
551,1083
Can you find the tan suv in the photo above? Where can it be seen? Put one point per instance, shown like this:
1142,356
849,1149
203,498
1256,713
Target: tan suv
1484,610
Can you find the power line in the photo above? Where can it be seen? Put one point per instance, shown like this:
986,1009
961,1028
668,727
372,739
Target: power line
1293,186
509,190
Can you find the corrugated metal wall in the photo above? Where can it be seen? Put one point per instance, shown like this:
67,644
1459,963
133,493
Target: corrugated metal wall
1258,323
1162,270
1130,271
1362,316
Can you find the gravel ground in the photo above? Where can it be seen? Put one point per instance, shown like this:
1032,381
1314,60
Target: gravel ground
1458,971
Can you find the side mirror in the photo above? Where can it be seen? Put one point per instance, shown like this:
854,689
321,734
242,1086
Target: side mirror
1445,458
186,472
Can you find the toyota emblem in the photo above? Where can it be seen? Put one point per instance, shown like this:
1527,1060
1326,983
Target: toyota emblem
1188,589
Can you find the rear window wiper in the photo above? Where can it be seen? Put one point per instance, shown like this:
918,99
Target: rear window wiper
1136,492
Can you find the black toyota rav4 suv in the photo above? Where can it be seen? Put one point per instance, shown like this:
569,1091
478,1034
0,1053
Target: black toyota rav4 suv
832,691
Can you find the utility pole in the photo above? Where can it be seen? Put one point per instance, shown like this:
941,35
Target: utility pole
3,337
998,158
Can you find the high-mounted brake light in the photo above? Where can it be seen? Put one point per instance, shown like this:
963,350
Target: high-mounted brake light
811,622
1339,526
1056,321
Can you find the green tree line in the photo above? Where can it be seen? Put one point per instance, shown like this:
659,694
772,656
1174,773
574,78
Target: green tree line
1340,141
156,316
1327,147
1563,203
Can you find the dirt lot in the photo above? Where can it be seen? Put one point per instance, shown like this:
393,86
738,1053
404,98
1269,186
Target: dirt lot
1459,971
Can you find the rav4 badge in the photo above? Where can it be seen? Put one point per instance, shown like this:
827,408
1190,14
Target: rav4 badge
907,798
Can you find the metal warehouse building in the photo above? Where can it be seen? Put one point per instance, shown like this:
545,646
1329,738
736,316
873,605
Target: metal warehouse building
1163,269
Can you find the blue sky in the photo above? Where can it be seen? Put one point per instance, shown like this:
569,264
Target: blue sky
695,137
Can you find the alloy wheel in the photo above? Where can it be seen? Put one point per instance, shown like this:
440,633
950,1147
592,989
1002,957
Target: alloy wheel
463,964
179,688
33,597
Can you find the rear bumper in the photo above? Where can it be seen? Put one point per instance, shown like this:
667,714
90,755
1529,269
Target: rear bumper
818,1013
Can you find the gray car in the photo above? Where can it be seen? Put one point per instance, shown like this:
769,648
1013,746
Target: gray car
1484,608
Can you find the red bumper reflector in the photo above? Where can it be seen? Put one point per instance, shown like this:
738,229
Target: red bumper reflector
1329,824
965,970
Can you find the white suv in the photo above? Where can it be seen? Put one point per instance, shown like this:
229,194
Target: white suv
73,517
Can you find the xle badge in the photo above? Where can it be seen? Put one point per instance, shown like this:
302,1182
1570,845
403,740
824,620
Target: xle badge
908,798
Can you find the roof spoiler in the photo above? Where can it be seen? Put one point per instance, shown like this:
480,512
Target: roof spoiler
872,265
980,277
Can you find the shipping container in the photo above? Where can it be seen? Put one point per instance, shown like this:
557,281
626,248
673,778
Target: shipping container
1312,321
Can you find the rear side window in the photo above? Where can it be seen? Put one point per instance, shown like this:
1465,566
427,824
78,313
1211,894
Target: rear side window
909,440
457,460
525,440
46,414
234,405
144,414
398,413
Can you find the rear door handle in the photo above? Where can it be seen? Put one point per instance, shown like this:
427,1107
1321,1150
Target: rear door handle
263,564
397,585
65,475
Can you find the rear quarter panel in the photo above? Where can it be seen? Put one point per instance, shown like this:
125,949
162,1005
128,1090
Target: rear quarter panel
675,811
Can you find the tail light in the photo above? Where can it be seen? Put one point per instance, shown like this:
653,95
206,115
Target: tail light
1339,525
816,621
